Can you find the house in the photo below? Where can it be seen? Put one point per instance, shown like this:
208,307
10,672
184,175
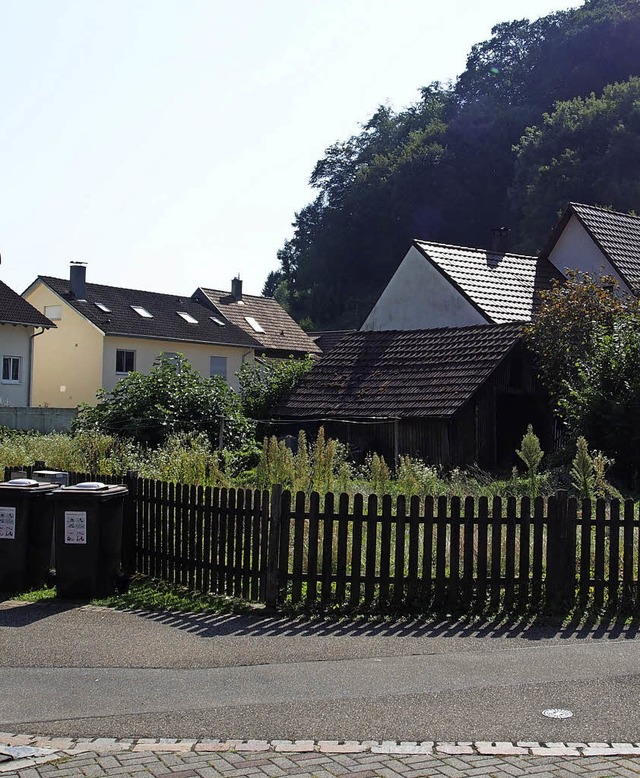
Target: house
261,318
438,285
327,340
104,332
599,242
20,325
448,395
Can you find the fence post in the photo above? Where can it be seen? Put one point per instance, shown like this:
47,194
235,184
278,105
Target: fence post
129,524
273,547
561,554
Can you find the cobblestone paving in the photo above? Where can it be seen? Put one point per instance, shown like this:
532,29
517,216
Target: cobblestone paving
140,764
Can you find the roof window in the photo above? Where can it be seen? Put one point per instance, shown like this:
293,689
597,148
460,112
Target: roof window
253,324
142,312
187,317
218,321
103,307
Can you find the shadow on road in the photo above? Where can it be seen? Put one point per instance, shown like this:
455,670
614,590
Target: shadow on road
22,614
238,625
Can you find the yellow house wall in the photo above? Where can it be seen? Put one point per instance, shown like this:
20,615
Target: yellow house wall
146,352
67,361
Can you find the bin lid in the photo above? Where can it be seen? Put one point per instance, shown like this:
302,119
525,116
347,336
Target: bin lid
91,486
22,482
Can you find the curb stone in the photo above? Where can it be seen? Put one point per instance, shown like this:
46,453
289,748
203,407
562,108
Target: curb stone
29,750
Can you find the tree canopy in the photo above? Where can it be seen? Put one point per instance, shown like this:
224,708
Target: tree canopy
445,168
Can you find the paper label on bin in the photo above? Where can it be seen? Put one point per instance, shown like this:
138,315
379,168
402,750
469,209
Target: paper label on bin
75,527
7,523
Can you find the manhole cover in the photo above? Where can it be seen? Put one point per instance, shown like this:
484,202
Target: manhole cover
557,713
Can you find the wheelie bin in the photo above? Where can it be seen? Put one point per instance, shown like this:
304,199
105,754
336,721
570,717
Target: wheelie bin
26,533
88,538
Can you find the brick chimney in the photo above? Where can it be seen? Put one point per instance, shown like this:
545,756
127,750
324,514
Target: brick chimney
236,288
500,240
77,280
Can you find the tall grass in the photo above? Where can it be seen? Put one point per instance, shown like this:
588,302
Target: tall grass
322,465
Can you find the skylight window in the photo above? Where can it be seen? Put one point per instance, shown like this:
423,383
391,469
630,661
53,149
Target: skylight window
187,317
103,307
218,321
142,312
253,324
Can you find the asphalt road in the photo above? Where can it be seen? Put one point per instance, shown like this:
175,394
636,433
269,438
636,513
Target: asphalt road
86,671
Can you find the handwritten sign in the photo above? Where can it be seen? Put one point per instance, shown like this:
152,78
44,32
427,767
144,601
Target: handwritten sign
7,523
75,527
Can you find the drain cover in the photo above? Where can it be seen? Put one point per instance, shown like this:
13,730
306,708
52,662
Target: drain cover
557,713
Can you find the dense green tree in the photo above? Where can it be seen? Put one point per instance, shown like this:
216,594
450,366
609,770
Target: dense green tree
441,169
264,384
587,150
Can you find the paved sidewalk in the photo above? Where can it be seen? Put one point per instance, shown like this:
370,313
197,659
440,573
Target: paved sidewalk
234,764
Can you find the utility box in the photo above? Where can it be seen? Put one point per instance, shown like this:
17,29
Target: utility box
26,532
88,538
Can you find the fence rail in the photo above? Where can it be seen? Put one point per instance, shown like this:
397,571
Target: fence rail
414,553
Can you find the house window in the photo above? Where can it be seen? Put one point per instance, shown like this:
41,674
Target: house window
187,317
255,326
11,370
218,366
53,312
103,307
125,361
142,312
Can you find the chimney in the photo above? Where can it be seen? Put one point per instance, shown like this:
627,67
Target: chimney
236,288
77,280
500,240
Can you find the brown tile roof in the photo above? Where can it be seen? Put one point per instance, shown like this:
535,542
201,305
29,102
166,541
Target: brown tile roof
401,373
281,332
16,310
165,324
617,235
327,340
502,287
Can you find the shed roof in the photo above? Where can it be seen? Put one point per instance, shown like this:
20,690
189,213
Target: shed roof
280,331
401,373
616,234
503,287
16,310
165,322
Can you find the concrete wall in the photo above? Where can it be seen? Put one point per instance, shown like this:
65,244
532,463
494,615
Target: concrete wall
419,297
14,342
146,351
39,419
576,250
67,361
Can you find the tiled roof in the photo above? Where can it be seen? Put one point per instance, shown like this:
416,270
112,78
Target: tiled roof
501,286
617,234
401,373
281,332
165,324
16,310
327,340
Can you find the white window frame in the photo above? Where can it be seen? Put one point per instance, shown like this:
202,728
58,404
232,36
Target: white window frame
53,312
11,359
212,373
125,351
142,311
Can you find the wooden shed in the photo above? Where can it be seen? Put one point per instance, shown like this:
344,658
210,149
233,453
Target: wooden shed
451,396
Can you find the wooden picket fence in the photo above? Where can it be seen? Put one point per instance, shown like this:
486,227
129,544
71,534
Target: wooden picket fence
404,553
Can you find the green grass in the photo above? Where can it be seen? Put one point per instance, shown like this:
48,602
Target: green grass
36,595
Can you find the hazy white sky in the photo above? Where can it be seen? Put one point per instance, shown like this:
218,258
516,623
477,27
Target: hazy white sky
168,143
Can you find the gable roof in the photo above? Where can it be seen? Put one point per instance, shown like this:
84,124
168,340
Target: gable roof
166,324
401,373
281,332
16,310
327,340
616,234
502,287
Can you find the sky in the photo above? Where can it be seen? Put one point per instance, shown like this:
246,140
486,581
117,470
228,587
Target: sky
168,143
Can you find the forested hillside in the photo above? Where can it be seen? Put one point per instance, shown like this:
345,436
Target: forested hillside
530,124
